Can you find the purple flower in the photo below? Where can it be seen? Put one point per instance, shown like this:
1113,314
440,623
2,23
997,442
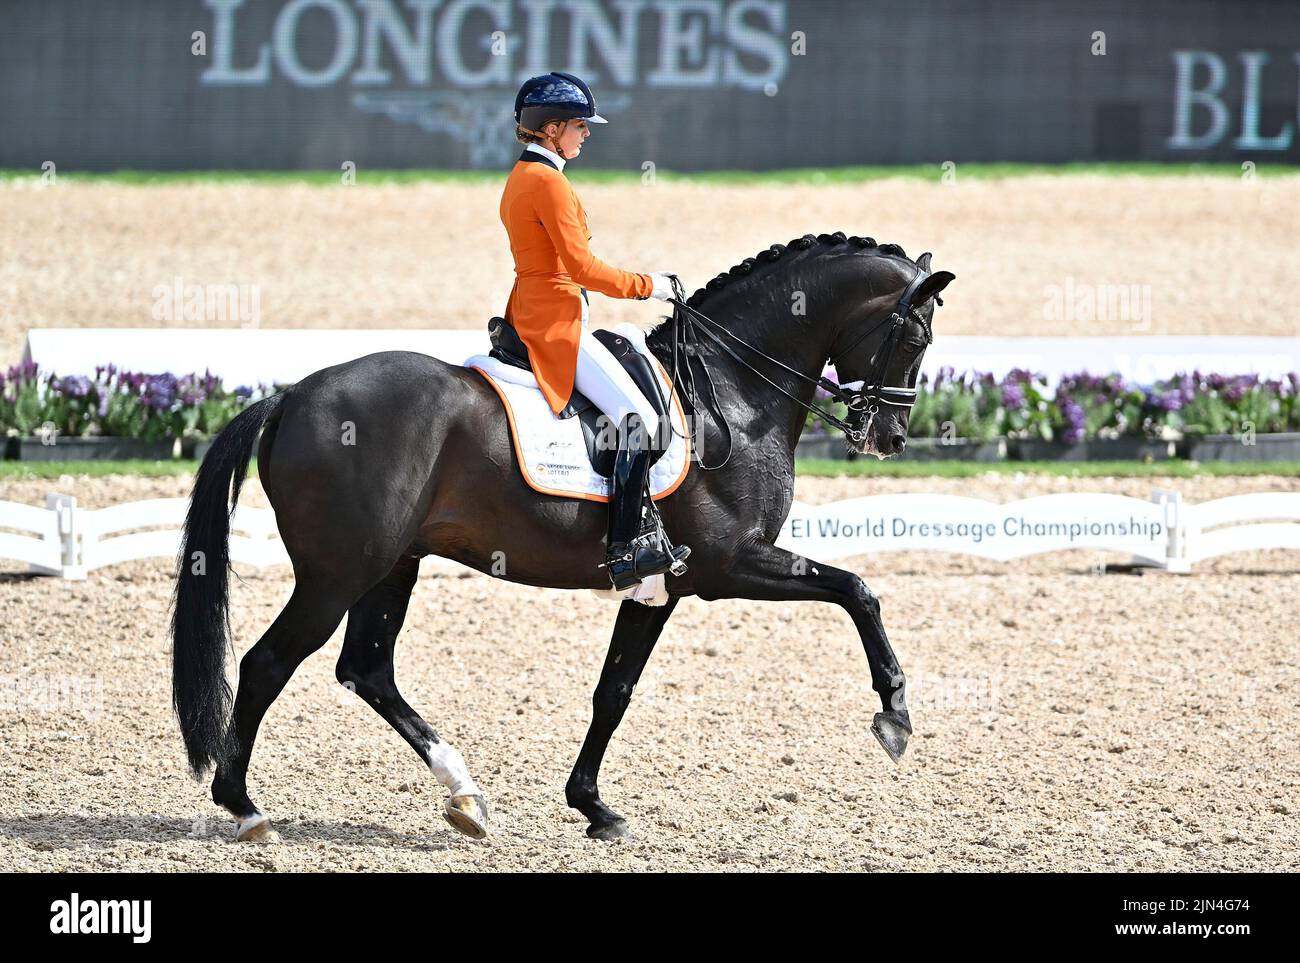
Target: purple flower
160,392
24,372
74,386
1013,397
1166,400
1075,427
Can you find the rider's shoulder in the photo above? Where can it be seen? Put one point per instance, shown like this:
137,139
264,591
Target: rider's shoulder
544,179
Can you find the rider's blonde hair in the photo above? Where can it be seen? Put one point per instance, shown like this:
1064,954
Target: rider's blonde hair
525,136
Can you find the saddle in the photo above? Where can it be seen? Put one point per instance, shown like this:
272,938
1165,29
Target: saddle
509,348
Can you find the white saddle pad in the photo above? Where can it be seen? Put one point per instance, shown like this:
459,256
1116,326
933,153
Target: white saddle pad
552,453
553,456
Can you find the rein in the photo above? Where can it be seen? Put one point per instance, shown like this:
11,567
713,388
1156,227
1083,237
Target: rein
869,395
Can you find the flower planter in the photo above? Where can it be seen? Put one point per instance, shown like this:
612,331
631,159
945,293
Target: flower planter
1282,446
195,448
1036,449
101,448
1094,449
1130,448
822,446
955,449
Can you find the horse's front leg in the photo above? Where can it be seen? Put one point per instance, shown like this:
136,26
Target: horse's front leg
764,572
635,633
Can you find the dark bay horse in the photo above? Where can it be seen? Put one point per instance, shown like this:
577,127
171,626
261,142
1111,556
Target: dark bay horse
371,464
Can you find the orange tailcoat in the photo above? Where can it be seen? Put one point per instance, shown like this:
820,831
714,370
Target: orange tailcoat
548,238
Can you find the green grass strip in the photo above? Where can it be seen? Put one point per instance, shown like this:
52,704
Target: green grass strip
95,469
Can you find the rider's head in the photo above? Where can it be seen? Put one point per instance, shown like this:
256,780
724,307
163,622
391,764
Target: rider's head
564,136
554,110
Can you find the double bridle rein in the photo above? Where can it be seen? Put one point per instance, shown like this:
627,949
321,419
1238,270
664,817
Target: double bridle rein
868,396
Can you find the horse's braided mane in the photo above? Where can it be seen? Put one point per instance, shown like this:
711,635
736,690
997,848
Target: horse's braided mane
776,251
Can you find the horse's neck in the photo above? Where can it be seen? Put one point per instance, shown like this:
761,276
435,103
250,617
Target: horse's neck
756,408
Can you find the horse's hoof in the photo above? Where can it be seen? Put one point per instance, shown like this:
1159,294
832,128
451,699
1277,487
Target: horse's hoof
468,815
891,733
610,832
255,829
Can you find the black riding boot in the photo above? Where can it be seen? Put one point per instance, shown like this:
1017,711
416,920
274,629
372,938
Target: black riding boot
634,552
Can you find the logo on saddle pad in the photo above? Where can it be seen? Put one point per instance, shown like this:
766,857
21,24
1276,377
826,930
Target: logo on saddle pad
564,471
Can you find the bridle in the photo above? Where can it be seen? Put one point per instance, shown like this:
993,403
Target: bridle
873,391
867,396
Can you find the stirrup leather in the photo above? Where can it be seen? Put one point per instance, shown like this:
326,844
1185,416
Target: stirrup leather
652,531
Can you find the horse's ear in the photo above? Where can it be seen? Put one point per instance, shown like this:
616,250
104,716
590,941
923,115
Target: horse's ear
932,285
923,262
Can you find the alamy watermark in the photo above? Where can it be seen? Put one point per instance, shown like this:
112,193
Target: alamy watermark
1073,301
74,694
179,301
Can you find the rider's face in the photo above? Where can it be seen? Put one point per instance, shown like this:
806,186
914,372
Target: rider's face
570,137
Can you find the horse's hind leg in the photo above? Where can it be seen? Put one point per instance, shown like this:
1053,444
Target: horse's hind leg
366,668
305,624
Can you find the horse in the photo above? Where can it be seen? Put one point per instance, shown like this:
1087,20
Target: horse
372,464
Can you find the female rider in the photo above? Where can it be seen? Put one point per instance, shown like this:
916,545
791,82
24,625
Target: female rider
548,307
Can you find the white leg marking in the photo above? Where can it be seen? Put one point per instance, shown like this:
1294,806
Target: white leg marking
449,767
249,822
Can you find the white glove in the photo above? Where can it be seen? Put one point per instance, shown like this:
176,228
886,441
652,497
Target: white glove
663,285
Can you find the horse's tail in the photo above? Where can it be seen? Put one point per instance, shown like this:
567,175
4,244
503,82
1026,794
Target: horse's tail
200,619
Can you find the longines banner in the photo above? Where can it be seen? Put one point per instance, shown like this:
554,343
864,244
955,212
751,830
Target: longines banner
685,84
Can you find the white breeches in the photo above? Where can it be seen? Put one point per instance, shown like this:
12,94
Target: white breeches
602,379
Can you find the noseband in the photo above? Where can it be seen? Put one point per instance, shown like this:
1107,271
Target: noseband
868,395
872,392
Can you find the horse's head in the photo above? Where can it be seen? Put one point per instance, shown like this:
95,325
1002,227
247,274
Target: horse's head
881,347
863,305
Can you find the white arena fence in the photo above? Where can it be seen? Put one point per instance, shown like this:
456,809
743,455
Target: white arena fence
65,540
1164,532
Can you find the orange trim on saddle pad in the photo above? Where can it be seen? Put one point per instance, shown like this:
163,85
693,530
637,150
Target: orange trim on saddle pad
586,496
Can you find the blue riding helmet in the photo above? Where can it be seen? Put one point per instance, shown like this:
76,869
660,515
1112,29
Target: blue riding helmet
555,96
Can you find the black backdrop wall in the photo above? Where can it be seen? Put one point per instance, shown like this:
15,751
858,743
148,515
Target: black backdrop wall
686,84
